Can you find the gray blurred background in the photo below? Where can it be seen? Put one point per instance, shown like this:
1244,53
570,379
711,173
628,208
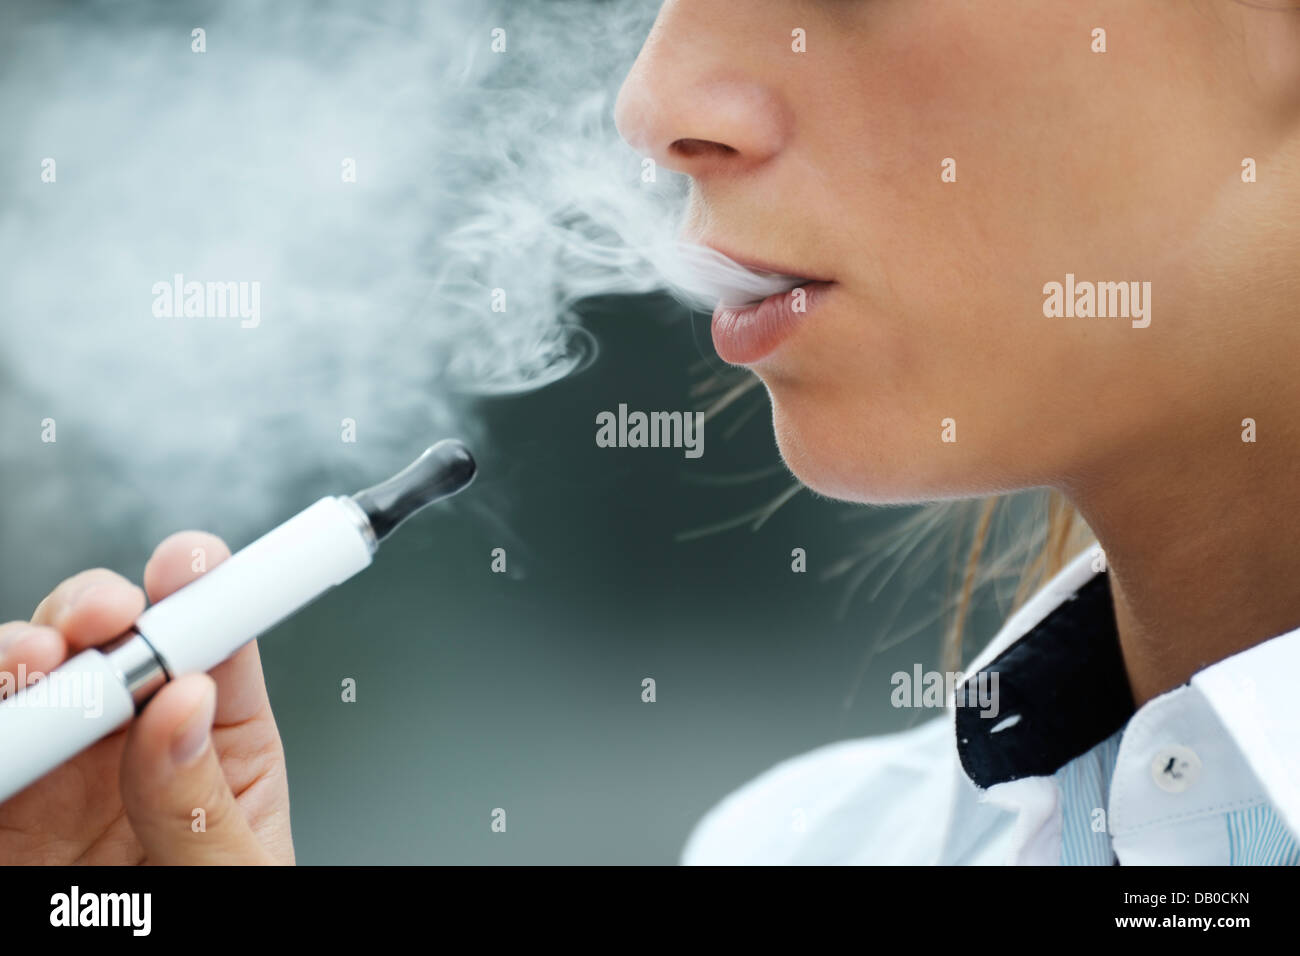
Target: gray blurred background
475,690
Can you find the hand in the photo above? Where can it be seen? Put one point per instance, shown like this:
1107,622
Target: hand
204,742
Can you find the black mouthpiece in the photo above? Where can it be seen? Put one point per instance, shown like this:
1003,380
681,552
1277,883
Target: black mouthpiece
440,472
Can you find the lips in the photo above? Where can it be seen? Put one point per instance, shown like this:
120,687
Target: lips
743,335
756,305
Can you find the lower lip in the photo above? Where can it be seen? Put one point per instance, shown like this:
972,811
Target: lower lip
743,336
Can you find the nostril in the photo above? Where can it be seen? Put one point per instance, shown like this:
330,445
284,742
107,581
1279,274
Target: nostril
693,148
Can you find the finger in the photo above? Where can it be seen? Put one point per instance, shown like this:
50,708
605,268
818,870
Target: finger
176,796
90,608
27,651
241,686
178,560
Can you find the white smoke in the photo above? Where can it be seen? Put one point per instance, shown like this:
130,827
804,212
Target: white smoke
703,277
475,171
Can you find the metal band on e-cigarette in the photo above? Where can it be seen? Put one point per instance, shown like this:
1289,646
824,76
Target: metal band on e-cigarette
140,668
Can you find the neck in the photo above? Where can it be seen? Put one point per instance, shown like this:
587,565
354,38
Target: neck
1202,541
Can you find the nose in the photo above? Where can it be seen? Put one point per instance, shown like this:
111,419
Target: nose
694,104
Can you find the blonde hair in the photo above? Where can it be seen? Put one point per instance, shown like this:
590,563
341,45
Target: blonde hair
1060,534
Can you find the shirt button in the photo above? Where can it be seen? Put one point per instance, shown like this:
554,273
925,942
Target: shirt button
1174,769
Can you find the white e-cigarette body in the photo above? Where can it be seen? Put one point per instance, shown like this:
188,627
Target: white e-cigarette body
206,621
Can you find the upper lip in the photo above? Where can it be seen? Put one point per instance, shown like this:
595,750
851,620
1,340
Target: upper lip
760,265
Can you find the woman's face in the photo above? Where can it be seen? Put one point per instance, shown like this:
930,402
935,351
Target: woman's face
1123,166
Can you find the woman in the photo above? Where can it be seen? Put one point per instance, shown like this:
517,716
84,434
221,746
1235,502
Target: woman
1030,244
1052,245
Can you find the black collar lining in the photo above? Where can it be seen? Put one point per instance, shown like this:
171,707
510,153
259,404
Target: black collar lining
1064,681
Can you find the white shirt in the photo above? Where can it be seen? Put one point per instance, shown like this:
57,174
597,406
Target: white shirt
1208,773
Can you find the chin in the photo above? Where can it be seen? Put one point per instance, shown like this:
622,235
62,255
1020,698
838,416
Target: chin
824,461
856,464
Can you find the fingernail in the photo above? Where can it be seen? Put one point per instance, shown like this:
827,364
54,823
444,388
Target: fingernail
191,738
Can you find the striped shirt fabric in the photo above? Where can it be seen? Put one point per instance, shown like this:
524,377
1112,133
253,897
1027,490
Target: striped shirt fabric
1256,835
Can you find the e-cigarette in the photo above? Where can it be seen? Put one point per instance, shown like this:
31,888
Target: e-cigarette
209,619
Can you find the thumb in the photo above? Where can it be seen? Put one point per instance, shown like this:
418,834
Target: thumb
176,796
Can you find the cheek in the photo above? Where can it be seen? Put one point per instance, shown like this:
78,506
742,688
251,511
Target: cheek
1059,170
1045,141
940,268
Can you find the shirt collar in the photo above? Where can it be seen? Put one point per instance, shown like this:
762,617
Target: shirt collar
1062,689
